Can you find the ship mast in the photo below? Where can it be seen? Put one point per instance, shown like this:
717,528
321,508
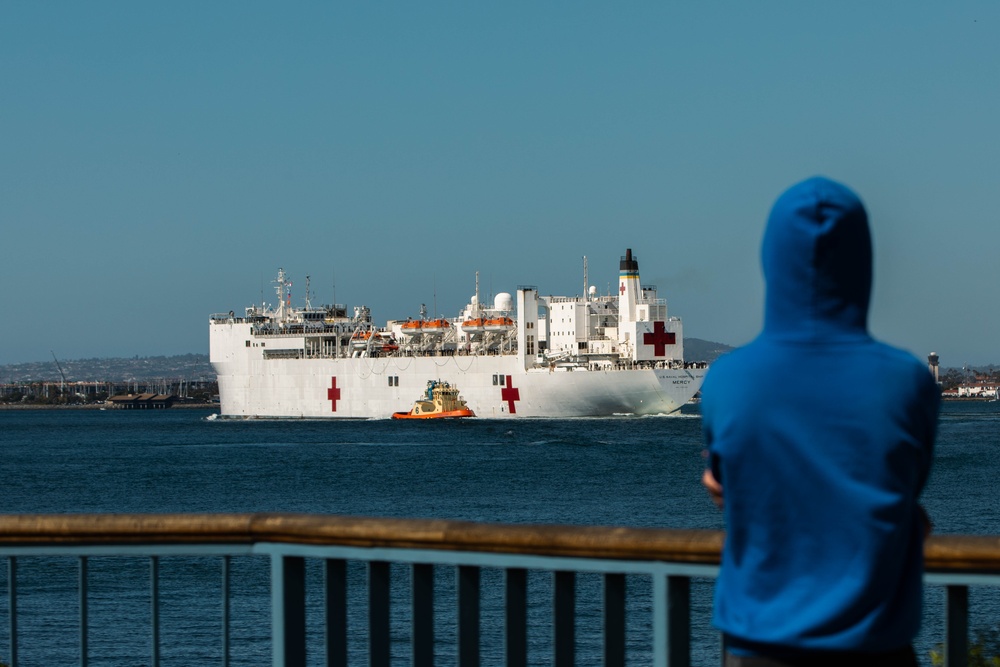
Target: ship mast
280,290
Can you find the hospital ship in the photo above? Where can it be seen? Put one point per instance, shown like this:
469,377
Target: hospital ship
524,355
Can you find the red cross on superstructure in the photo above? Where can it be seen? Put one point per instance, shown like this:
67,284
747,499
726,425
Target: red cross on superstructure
659,338
333,394
621,290
510,394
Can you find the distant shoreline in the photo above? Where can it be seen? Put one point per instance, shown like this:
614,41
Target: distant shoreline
973,399
102,406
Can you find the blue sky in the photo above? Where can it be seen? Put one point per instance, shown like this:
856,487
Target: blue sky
158,163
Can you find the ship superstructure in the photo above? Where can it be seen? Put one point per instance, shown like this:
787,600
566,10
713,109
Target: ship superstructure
525,355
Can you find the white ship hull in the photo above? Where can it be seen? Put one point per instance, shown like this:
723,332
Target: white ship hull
565,357
360,389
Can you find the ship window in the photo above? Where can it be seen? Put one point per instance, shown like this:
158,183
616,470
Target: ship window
248,343
495,381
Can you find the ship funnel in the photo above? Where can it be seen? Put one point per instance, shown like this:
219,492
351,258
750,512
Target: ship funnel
628,263
629,291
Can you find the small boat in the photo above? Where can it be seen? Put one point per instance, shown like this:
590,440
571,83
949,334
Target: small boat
378,341
437,326
499,324
441,401
475,325
412,327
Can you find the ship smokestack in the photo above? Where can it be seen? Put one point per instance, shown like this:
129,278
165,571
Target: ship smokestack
628,263
628,288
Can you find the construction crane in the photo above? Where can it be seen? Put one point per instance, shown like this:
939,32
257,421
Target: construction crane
62,387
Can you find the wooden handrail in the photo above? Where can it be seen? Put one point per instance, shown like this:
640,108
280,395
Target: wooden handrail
943,553
689,546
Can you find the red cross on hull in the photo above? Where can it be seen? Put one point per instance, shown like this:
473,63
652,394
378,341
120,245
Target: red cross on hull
333,394
510,394
659,338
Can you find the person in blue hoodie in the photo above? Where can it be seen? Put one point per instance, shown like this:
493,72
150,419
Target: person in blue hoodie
819,443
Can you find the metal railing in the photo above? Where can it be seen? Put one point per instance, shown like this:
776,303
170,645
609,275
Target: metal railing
670,558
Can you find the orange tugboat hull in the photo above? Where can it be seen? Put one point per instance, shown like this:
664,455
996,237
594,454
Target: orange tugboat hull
450,414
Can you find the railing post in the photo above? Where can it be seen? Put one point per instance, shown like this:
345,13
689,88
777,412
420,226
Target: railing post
671,621
956,628
288,611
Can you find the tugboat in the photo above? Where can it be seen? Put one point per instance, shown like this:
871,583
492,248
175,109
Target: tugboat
440,402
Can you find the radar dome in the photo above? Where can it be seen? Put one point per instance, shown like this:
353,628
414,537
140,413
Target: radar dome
503,301
593,290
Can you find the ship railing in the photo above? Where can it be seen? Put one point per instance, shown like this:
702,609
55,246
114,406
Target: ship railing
666,560
225,318
298,329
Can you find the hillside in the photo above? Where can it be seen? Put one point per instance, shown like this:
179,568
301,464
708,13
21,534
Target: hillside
178,367
696,349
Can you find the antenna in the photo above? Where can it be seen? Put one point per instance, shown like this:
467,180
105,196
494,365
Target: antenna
584,277
308,304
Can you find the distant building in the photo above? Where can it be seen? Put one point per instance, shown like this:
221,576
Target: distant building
142,401
978,390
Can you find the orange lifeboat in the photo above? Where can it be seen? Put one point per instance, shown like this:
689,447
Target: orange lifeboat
437,326
498,324
411,327
360,338
381,341
474,326
441,401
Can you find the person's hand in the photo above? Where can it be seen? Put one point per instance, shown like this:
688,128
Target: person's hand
712,486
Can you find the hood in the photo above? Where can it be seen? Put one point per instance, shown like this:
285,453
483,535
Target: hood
817,260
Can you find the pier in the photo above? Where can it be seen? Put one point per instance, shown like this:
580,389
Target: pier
666,560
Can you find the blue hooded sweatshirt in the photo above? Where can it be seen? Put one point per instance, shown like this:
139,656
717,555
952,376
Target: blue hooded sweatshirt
822,439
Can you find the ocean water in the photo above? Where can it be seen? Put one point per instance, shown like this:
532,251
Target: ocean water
621,471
